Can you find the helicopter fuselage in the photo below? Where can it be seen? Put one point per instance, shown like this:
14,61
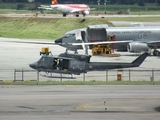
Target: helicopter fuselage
77,64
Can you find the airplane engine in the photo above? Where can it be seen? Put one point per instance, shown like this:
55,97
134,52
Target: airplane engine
86,12
137,47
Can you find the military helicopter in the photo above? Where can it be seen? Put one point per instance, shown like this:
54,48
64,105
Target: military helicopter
67,63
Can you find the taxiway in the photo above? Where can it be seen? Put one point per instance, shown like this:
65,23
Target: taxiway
79,102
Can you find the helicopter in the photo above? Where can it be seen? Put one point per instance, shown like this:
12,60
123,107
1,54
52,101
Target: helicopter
67,63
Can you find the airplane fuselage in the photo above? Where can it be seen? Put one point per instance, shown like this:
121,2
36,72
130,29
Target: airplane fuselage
138,34
137,38
70,8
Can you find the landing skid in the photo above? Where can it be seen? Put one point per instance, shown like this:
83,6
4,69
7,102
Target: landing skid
50,76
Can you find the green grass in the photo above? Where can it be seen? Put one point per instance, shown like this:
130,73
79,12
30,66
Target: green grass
14,11
52,28
81,83
134,8
43,28
14,5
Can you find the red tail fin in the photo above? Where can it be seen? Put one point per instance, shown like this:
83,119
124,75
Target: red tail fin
54,2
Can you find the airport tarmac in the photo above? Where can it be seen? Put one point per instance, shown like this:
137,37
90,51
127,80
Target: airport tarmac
94,102
20,55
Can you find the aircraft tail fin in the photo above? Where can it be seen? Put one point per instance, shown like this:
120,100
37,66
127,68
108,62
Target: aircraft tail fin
137,62
54,2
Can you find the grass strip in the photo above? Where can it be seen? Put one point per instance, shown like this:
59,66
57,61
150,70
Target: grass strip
50,82
53,28
44,28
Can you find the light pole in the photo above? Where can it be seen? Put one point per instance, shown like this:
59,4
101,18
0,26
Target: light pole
99,4
105,4
106,1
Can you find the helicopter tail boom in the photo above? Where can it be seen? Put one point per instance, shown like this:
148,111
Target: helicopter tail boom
137,62
101,66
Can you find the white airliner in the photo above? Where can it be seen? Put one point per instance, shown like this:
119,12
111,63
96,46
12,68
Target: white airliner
68,8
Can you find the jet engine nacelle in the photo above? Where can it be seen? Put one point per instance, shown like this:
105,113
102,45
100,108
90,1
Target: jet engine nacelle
137,47
86,12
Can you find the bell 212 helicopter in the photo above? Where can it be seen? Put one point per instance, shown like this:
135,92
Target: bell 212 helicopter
67,63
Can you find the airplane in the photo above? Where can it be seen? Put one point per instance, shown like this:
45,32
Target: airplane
68,8
131,39
67,63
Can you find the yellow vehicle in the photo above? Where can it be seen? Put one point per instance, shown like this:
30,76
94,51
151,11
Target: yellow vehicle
103,49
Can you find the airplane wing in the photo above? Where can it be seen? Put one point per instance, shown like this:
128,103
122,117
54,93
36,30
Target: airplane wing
92,8
77,11
45,7
48,8
105,42
81,10
154,42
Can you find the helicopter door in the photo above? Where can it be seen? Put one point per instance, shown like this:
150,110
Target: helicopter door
64,64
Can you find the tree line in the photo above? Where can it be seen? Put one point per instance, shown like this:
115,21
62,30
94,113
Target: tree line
127,2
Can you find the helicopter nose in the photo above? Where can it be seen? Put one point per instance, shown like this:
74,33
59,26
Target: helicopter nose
33,65
59,40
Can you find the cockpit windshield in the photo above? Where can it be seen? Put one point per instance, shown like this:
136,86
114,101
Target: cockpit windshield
43,60
69,35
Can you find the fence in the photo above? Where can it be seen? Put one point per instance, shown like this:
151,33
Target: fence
109,75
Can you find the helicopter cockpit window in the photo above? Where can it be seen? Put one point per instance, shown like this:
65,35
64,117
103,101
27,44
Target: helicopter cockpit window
69,35
43,60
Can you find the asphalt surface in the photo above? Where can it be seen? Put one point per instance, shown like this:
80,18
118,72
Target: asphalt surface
79,102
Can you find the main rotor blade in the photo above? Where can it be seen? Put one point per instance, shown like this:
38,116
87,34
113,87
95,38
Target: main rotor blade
33,42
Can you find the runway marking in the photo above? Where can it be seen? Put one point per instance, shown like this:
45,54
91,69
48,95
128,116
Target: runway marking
111,107
99,105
